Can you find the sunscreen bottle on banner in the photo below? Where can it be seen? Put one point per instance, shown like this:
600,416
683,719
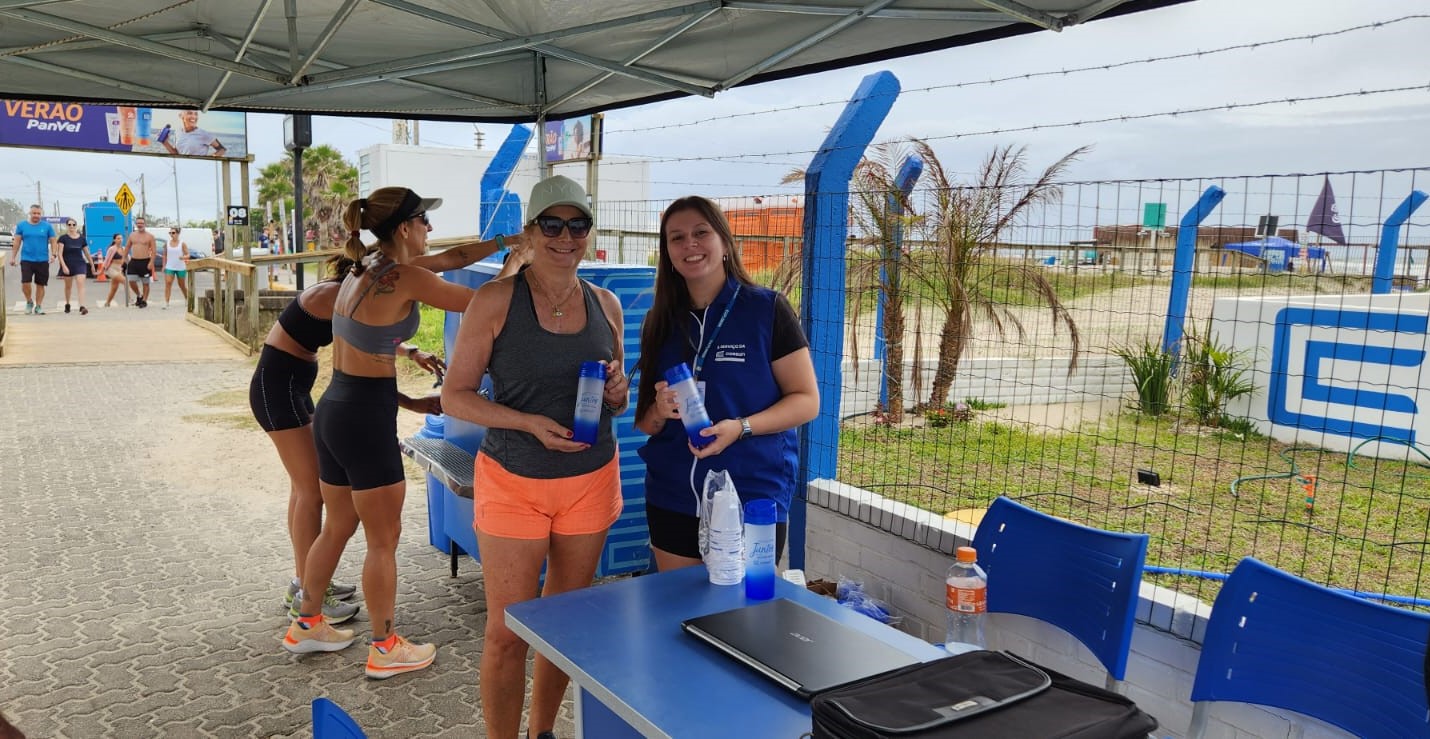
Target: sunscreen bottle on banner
126,125
145,120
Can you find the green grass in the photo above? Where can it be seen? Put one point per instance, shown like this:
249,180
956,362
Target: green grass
1295,282
1367,530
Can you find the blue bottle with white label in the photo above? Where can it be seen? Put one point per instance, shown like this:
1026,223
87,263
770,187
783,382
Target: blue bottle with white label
589,390
692,406
760,516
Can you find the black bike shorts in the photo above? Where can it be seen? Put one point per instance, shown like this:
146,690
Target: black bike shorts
281,391
355,429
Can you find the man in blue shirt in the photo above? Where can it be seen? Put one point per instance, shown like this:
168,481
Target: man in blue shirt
38,243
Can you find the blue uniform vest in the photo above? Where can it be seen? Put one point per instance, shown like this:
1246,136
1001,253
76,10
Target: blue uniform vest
738,382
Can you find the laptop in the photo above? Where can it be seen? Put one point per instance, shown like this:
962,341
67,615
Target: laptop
804,651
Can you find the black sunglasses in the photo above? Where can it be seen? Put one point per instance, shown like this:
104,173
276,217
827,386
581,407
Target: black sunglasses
71,223
423,216
551,226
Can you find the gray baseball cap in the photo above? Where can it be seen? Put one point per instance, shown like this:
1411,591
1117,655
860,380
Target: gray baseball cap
557,190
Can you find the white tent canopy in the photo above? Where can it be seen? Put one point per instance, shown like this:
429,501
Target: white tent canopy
478,60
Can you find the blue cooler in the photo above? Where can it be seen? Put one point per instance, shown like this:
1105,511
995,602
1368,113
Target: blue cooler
432,428
628,543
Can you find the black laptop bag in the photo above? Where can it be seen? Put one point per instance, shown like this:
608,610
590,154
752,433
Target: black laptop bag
981,694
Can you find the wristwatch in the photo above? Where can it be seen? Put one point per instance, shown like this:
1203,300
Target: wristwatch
745,431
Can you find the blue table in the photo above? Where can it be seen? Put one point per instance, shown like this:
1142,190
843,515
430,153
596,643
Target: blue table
638,674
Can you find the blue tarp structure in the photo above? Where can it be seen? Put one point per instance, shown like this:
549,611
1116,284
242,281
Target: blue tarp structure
1278,252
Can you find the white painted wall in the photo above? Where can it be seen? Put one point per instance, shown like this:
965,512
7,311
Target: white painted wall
1275,333
900,554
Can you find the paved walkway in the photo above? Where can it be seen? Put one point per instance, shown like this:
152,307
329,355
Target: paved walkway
144,554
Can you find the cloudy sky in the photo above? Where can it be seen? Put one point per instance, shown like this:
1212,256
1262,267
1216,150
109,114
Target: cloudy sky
742,141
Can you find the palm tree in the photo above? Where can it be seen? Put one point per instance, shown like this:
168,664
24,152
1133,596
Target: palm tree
329,182
964,223
878,209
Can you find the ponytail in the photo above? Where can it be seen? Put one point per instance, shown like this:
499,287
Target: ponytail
353,249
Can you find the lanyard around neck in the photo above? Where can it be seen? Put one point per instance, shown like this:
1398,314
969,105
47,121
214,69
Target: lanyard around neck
700,357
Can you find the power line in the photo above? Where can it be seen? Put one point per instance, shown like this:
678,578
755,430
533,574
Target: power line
1073,124
1050,73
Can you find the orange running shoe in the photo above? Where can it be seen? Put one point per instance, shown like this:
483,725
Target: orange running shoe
317,636
403,656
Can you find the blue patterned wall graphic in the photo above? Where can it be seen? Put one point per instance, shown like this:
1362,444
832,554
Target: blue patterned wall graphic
628,543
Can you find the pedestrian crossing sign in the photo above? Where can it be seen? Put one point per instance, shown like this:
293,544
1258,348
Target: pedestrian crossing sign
124,198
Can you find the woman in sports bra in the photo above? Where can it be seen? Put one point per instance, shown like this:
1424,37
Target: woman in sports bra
538,491
355,425
280,396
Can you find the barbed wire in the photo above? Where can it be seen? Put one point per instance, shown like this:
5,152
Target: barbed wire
1037,75
1123,118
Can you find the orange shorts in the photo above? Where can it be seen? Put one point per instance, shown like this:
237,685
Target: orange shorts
519,507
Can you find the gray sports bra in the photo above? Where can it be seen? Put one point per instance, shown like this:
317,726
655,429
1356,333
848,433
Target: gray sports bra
376,339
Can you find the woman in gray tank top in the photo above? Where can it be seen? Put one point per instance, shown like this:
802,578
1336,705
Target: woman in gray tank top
538,492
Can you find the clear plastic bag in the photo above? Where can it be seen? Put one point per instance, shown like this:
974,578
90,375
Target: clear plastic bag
851,595
722,546
714,481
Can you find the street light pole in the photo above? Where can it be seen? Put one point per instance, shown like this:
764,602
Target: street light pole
178,213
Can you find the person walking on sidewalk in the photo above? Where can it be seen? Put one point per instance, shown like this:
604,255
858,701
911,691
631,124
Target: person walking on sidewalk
113,269
36,251
176,266
360,468
74,263
139,256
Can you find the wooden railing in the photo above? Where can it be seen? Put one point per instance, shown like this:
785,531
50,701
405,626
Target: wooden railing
242,322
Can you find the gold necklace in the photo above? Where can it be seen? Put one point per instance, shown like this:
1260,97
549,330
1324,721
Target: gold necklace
556,311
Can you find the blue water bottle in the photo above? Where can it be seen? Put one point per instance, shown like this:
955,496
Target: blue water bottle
589,391
692,406
760,515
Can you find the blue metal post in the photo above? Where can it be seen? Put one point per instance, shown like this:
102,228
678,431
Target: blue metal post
501,210
909,173
1389,237
826,225
1183,264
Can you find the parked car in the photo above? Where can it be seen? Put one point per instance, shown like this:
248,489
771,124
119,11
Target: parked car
7,240
199,240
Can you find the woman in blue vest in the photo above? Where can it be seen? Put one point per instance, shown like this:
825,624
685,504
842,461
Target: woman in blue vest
745,347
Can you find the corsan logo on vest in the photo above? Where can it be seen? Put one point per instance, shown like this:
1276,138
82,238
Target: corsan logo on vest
730,353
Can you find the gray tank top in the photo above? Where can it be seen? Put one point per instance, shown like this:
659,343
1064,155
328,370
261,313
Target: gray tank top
376,339
535,371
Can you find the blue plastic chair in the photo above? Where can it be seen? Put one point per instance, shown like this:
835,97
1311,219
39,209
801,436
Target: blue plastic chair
332,722
1274,639
1083,580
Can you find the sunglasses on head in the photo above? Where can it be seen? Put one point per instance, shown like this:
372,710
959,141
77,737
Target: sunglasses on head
551,226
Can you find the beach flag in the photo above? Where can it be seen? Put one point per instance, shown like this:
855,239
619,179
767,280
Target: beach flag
1324,218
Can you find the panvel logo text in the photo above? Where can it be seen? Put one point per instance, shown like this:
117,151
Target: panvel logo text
62,117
